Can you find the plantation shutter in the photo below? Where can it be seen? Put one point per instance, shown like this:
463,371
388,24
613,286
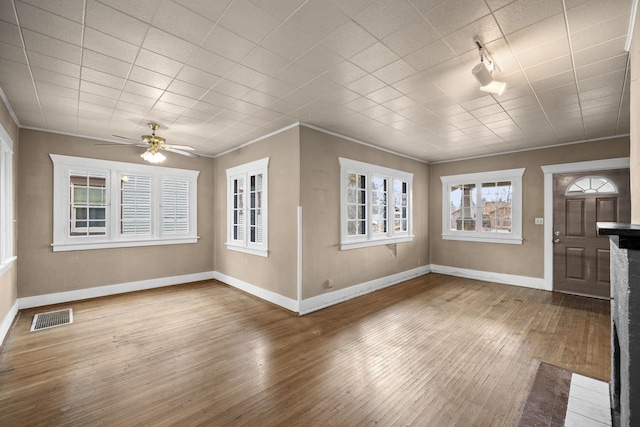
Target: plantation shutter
175,206
135,205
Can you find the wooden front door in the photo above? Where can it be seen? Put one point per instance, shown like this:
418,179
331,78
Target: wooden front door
580,256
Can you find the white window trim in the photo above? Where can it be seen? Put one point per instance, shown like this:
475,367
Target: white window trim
513,175
62,241
251,168
370,239
7,258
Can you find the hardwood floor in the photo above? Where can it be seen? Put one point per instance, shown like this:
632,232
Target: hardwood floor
433,351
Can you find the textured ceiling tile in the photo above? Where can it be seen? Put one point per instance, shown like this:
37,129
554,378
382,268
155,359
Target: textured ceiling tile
522,13
311,24
12,53
153,61
210,62
149,78
349,40
110,46
10,34
365,85
105,64
454,14
244,17
386,16
49,24
52,47
117,24
600,33
374,57
197,77
462,40
168,45
53,64
264,61
186,89
345,73
597,53
395,72
227,44
430,55
165,19
411,37
593,12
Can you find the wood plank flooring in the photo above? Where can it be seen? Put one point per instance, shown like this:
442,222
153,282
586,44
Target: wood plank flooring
433,351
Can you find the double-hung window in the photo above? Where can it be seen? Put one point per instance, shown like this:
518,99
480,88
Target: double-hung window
375,206
483,207
105,204
247,209
6,202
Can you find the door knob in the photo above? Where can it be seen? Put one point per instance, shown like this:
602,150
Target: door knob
556,233
556,241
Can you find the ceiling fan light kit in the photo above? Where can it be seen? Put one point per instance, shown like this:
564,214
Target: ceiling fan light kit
156,143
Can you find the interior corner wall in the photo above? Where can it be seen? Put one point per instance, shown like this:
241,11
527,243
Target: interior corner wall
322,258
521,260
8,281
42,271
278,272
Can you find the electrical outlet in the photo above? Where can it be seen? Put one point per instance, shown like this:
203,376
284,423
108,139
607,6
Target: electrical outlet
330,283
539,221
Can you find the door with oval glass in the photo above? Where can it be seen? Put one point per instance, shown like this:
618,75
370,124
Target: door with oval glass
580,256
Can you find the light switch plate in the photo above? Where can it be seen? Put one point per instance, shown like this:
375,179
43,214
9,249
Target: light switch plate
539,221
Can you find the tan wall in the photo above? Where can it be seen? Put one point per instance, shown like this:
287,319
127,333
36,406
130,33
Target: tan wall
278,271
320,196
634,54
41,271
526,259
8,281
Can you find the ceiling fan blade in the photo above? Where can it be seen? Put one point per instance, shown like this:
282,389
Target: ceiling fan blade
126,137
181,147
184,153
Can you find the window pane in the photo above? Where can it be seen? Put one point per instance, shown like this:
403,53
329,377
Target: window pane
400,205
379,202
496,205
356,203
463,207
87,197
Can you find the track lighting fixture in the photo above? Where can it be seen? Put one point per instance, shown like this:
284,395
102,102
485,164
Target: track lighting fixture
483,72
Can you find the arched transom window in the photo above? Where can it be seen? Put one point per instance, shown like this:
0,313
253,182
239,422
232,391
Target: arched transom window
591,185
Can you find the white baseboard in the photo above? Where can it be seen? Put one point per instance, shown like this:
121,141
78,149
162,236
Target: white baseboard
8,321
325,300
101,291
487,276
272,297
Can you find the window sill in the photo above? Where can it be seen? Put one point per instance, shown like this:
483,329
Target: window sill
513,240
63,247
251,251
7,264
345,246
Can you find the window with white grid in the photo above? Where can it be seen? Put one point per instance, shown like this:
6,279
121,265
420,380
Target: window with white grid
375,205
105,204
247,207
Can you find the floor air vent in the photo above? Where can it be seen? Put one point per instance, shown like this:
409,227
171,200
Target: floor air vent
51,319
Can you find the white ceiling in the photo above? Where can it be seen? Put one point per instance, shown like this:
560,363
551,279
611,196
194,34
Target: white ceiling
394,73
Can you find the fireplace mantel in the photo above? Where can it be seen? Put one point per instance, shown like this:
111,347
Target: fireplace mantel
625,321
626,236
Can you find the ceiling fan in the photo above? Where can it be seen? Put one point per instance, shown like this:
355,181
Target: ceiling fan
154,144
